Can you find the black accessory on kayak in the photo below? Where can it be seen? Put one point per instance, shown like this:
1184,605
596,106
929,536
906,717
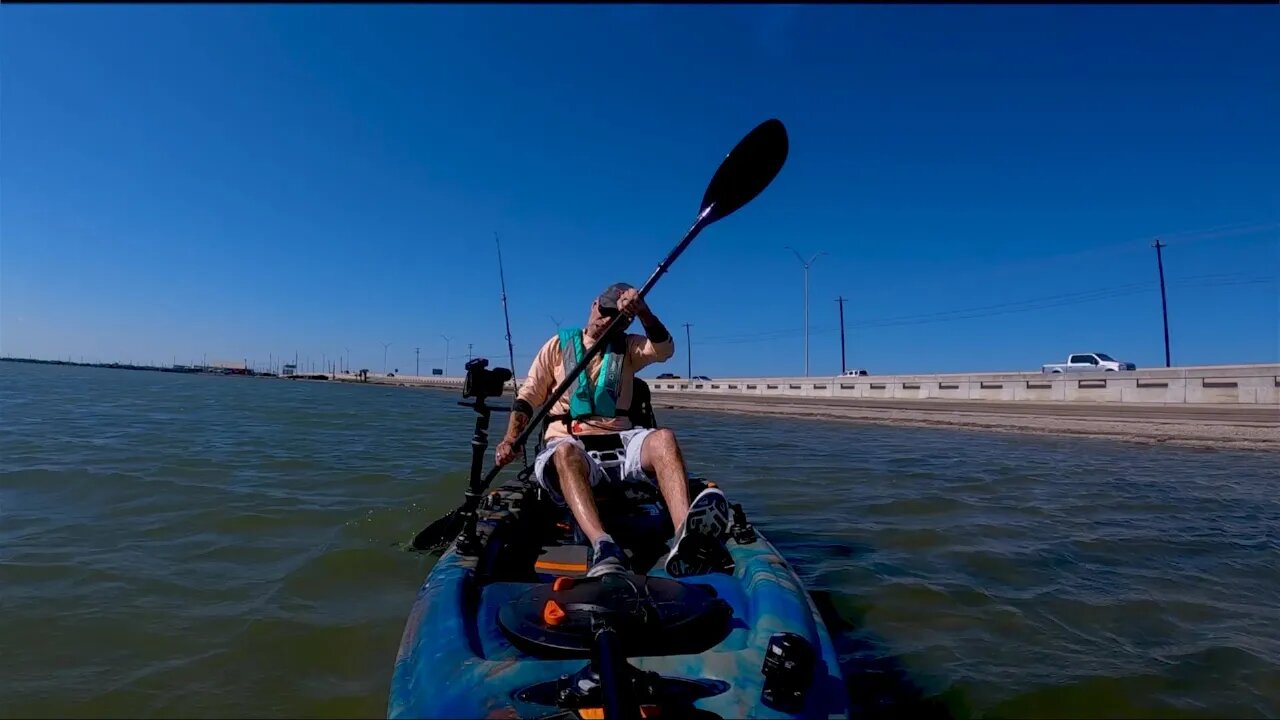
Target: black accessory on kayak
743,532
788,671
607,620
480,383
653,616
743,174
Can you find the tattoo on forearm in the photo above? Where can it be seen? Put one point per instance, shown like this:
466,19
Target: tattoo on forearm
519,419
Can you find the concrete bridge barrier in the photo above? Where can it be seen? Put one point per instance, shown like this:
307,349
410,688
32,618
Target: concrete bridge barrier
1220,384
1214,384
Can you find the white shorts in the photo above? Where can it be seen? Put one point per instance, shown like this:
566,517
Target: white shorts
544,468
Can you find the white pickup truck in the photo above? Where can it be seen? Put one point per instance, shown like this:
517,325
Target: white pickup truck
1088,362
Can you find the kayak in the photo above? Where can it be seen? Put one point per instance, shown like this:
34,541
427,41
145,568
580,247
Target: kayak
508,632
507,625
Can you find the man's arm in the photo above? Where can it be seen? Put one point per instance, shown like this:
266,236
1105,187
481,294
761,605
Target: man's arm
521,413
653,327
537,386
657,345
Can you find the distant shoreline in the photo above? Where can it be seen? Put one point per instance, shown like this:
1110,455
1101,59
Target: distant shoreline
1224,427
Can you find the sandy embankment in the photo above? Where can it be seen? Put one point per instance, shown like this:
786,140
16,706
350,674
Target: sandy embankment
1247,427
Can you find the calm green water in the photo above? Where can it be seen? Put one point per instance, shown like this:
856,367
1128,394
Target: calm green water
205,546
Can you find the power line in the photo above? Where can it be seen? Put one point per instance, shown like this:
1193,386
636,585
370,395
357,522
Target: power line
1030,304
1179,238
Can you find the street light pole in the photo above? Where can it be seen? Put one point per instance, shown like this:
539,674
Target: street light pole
806,301
446,355
416,367
384,357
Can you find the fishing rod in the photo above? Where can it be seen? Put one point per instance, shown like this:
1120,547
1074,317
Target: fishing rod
511,352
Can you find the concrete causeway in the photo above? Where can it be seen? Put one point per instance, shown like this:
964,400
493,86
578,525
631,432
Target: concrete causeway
1209,384
1219,407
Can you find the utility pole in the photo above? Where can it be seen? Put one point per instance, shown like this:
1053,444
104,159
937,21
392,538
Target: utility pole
806,301
446,355
469,345
416,368
688,344
384,357
1164,306
840,300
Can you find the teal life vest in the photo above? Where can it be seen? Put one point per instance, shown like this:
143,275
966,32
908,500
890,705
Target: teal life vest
601,400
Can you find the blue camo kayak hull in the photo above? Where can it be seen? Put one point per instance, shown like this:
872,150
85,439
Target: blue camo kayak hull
456,661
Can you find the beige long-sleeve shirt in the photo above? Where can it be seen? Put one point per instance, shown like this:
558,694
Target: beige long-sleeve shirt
547,371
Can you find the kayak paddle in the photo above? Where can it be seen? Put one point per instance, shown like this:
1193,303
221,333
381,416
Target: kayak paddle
746,171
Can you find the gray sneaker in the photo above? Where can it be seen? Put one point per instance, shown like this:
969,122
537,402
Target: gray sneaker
605,557
706,524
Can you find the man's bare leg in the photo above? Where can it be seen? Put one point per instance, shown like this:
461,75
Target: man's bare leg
571,466
660,456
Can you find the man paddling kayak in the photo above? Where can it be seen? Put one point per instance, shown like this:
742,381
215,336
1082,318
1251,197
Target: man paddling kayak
593,417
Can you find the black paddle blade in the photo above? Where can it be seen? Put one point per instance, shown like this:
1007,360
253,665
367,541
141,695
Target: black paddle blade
439,533
747,170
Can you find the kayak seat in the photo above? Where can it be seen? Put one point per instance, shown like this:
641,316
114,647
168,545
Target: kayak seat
634,514
531,539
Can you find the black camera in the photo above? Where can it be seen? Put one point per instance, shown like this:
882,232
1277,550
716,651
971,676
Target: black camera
484,383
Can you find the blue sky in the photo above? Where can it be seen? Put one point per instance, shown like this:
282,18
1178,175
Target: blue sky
246,181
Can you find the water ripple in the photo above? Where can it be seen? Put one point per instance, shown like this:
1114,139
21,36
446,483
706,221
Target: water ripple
207,546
